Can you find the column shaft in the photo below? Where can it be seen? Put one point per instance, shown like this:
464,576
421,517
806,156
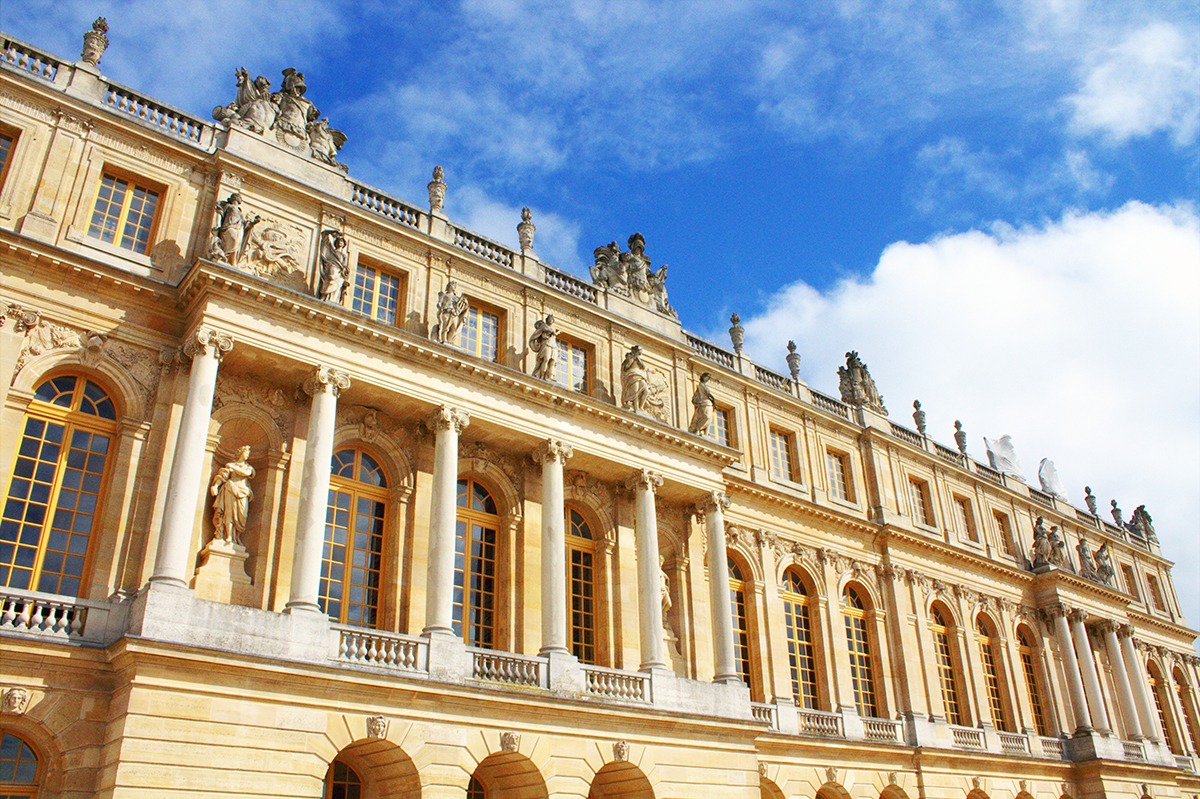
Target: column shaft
1141,687
1091,681
1083,720
554,548
1121,676
650,615
724,660
447,423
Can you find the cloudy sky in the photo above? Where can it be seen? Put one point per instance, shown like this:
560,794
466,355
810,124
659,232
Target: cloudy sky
995,203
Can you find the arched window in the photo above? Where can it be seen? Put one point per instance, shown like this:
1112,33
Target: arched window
475,789
1189,708
862,663
475,564
1159,691
947,666
989,647
353,552
1033,681
57,486
18,768
581,583
738,588
342,782
798,614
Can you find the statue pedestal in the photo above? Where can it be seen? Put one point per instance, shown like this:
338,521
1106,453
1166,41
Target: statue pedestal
674,657
222,574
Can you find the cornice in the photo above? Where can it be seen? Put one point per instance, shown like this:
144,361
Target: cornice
888,533
745,486
1142,619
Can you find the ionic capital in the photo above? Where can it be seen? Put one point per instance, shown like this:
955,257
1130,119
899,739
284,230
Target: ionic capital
554,450
712,501
326,380
447,418
644,480
204,340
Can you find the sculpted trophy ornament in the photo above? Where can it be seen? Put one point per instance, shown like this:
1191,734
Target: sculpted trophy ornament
1140,522
544,345
702,405
1089,499
1002,456
437,190
451,311
628,274
231,498
1117,515
857,387
334,267
919,417
525,230
95,42
793,361
960,437
227,242
737,333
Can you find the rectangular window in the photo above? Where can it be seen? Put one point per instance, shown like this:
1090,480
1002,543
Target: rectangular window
783,456
124,213
966,518
1156,595
574,365
1005,531
480,332
7,140
1131,587
918,500
720,428
837,465
377,293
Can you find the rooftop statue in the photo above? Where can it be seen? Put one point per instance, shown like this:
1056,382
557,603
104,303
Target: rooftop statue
629,274
1141,523
856,385
919,417
1049,479
95,42
1002,456
960,437
1117,515
1089,499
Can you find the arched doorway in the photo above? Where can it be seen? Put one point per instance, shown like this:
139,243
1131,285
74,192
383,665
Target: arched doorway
620,781
372,768
507,775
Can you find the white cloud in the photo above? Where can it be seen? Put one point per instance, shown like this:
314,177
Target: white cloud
1080,337
1147,82
556,240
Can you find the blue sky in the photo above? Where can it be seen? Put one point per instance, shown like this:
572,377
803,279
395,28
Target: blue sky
995,203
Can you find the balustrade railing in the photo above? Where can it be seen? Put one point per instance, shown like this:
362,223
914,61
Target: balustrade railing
509,668
623,686
388,207
30,59
967,737
59,618
764,713
1134,751
988,473
947,454
711,351
165,118
570,285
906,435
1013,743
882,730
830,404
484,248
819,723
1052,747
1041,498
773,379
386,650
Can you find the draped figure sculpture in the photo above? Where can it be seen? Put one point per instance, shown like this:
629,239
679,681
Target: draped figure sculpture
231,498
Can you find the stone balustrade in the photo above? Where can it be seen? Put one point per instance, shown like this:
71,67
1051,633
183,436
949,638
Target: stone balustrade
492,666
967,737
1013,743
57,618
388,207
617,685
711,352
484,248
29,59
570,285
906,435
764,713
819,723
882,730
385,650
166,119
1052,747
825,403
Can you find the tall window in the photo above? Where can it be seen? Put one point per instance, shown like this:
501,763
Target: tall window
475,565
918,500
56,487
720,427
353,552
7,140
377,293
342,782
1159,690
1131,586
1188,708
741,624
783,458
945,652
18,768
581,578
989,645
1156,595
1005,531
480,332
1026,651
573,365
966,518
797,614
862,669
124,213
837,464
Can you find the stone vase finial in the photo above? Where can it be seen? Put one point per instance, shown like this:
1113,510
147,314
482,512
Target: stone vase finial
525,231
95,42
437,190
793,361
737,333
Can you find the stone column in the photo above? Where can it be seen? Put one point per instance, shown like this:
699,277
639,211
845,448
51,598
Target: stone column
650,615
1121,677
205,346
323,385
1087,667
1140,684
724,661
1083,719
447,423
553,455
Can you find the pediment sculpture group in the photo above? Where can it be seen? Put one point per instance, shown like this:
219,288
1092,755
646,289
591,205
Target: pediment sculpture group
629,274
1050,550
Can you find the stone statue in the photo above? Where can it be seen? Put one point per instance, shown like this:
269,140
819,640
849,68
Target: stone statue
95,42
918,417
737,333
1118,519
377,726
1087,565
1058,550
857,387
544,345
664,589
254,107
335,267
295,120
295,111
629,274
1090,500
960,437
637,265
324,142
1141,523
437,190
702,402
635,382
451,310
656,284
793,361
1043,552
525,230
1048,477
1104,566
230,232
608,272
231,498
1002,456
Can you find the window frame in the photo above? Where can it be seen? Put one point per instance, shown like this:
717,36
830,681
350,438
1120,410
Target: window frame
964,518
1129,575
480,307
790,451
806,678
566,344
918,488
135,180
995,684
850,495
741,584
15,135
584,546
863,650
380,269
1006,532
468,515
1029,654
358,490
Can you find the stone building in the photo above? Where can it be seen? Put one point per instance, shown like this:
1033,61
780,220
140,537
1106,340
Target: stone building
311,491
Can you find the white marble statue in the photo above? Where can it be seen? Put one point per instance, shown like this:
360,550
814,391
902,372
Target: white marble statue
544,345
231,498
451,311
702,404
1049,479
635,382
1002,456
227,242
335,267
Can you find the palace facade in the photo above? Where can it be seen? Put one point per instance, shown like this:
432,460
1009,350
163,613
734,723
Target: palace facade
312,492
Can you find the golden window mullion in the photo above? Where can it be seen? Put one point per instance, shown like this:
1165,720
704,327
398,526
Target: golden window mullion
60,467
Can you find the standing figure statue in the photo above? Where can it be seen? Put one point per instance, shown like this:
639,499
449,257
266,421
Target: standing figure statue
636,264
656,284
608,271
1058,550
1104,567
231,498
451,311
229,234
324,142
335,267
544,345
295,111
635,381
702,402
1043,552
1087,565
